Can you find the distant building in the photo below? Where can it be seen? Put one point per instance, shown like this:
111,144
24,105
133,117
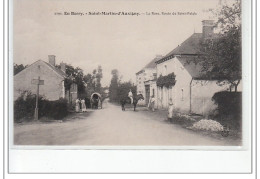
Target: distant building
193,91
146,81
54,79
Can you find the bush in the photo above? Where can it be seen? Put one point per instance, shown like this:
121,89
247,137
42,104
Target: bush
229,103
24,108
54,109
166,81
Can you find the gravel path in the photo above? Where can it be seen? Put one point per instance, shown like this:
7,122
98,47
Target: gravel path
110,126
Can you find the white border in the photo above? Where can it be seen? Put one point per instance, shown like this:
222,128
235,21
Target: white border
137,160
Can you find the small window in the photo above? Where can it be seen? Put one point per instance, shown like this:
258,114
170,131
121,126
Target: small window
39,67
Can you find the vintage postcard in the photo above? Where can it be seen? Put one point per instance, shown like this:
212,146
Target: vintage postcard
129,74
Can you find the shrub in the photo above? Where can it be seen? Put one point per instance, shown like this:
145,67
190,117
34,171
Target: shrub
54,109
229,103
24,107
166,81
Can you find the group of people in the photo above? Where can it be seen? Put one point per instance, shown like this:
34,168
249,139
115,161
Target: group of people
80,105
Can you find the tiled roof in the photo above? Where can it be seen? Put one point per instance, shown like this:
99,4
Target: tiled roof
191,46
194,68
191,64
151,64
56,69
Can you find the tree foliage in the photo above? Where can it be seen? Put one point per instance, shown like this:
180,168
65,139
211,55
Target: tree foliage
221,57
166,81
18,68
93,81
114,85
119,90
124,88
74,75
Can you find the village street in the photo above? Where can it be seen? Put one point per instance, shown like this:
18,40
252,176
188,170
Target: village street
110,126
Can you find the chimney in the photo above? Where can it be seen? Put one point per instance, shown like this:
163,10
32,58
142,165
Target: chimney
207,28
52,59
63,67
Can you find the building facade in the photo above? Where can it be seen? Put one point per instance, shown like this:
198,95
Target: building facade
192,92
53,87
146,81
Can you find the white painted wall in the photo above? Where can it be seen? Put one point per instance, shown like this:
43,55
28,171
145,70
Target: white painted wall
146,75
180,92
201,90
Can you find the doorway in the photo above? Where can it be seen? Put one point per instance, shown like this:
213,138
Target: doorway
147,94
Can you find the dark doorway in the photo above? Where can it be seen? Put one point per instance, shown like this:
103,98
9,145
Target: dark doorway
147,94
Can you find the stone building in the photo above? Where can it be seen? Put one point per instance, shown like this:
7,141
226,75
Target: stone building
54,79
146,81
192,92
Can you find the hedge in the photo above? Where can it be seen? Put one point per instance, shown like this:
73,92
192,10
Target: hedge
24,108
229,103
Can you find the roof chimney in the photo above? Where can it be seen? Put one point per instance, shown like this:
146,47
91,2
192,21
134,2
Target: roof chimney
52,59
63,67
207,28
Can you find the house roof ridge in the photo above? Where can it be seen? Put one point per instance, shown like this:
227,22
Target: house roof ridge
58,71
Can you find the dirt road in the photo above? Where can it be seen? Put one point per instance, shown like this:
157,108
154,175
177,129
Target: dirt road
109,126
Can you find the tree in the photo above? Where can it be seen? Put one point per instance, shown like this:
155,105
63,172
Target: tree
123,89
114,85
221,56
18,68
74,75
99,76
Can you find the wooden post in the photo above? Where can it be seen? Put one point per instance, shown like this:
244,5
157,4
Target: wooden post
37,82
37,99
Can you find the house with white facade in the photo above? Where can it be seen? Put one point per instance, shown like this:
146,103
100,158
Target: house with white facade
192,92
146,81
53,87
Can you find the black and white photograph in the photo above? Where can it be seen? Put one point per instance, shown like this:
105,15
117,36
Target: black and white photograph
129,75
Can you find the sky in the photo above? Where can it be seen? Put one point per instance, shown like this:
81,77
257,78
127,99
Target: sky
126,43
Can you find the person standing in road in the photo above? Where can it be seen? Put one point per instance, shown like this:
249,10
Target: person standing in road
151,103
170,109
77,105
83,105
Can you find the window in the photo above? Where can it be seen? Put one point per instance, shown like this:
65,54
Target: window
39,67
153,91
